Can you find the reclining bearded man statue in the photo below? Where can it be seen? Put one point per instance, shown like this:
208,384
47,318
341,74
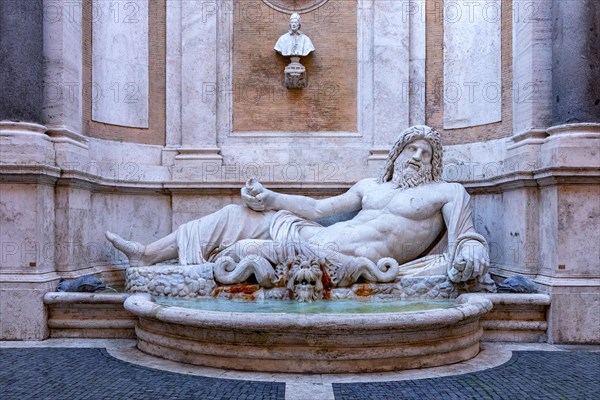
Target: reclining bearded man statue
401,215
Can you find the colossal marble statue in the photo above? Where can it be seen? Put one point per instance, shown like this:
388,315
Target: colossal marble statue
401,215
294,42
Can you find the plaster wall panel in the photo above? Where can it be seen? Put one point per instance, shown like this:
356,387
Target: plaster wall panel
472,64
142,218
120,62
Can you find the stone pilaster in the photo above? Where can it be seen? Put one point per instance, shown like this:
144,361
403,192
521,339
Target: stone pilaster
569,197
391,67
199,88
554,154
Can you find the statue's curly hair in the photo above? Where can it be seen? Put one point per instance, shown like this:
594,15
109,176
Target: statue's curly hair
410,135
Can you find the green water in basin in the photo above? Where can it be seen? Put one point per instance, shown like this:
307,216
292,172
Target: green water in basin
317,307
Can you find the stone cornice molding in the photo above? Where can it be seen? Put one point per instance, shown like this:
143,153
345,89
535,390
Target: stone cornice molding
63,134
505,271
22,128
590,129
533,133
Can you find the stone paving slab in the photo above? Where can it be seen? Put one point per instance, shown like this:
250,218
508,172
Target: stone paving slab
528,375
92,374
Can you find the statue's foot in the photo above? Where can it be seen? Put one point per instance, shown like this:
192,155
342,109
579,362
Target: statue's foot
133,250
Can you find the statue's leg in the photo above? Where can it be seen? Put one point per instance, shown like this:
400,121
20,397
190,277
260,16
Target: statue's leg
203,239
194,242
139,255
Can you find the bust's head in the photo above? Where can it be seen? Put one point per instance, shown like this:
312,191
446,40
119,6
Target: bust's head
295,22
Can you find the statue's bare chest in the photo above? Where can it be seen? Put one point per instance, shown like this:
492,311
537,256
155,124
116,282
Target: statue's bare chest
416,203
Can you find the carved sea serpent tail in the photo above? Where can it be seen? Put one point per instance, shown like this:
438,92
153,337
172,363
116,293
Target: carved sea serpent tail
386,270
227,272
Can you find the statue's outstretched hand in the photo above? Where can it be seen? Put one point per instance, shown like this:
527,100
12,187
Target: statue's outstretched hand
255,195
471,261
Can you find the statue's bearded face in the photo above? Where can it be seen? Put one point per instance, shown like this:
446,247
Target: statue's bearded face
413,165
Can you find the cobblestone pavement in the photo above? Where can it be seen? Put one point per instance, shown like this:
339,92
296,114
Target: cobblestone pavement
528,375
92,374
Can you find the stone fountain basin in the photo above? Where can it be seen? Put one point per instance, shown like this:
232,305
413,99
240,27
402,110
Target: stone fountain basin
310,343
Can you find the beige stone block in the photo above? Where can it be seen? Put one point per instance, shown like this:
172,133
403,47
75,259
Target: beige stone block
574,315
23,315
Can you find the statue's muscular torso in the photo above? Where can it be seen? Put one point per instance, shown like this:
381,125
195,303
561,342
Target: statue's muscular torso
392,222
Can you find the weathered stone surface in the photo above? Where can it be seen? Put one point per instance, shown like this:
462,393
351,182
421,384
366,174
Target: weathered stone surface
172,280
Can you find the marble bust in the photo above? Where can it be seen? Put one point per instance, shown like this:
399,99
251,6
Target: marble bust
294,42
401,215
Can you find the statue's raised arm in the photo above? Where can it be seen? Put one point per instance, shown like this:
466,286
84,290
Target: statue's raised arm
259,198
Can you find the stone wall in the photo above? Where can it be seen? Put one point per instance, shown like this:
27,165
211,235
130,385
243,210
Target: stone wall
66,179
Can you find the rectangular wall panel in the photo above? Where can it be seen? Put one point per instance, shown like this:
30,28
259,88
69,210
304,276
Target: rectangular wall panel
472,63
120,62
260,100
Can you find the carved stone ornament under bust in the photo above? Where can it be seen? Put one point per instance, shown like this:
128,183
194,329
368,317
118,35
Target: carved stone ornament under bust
274,239
294,44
